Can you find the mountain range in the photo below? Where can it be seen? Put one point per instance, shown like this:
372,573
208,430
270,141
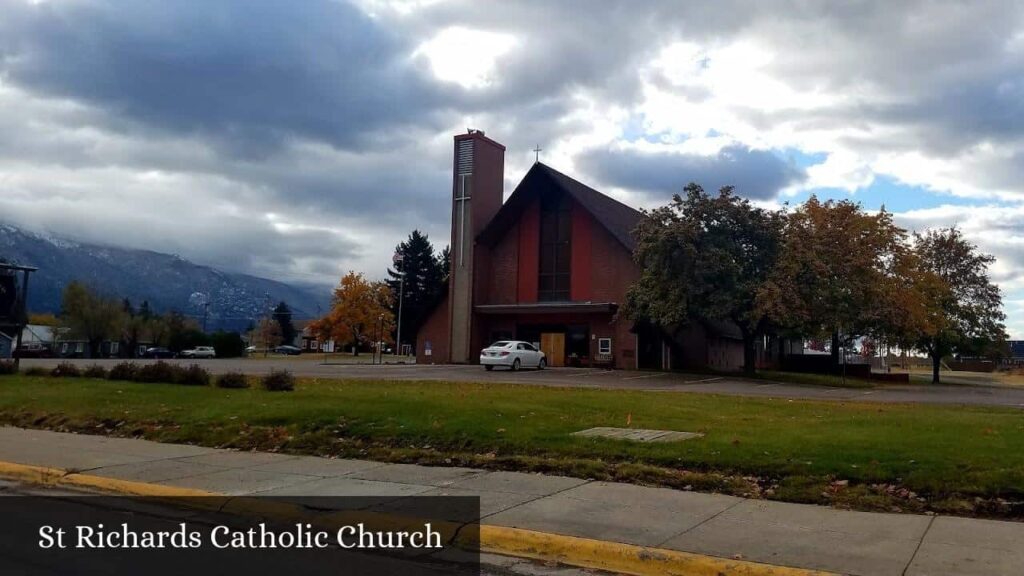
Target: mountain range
166,281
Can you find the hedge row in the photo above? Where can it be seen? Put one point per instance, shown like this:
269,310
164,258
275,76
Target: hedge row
164,372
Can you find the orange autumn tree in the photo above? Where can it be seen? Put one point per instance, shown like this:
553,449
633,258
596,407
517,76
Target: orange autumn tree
359,307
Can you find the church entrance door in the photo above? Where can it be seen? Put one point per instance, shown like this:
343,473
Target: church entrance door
552,344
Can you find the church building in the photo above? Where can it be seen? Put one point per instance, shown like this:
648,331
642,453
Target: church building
551,266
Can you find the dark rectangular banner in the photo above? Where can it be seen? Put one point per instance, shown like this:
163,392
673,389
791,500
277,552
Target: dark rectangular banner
110,535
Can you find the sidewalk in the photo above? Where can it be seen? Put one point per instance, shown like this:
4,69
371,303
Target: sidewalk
775,533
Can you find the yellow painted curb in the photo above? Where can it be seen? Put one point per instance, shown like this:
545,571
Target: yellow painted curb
621,558
518,542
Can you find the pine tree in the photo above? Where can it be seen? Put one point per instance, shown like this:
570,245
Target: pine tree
283,317
425,275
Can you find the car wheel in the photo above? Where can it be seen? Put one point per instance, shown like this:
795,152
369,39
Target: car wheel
542,364
488,368
515,364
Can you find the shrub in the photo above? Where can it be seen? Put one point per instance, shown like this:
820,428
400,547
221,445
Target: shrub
159,372
194,375
232,380
94,371
123,371
279,381
7,367
66,369
37,371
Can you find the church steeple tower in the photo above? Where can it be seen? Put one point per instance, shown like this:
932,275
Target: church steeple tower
478,180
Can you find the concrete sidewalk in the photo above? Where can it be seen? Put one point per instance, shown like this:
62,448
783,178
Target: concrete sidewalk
776,533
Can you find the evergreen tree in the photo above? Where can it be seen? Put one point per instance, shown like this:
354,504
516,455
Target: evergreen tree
283,317
425,274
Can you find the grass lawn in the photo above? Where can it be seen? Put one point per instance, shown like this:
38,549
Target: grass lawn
965,460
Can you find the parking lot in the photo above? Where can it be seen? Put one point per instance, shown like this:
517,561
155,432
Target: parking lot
307,366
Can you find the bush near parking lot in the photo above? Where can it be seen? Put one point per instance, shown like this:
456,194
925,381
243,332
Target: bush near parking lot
37,371
194,375
232,380
159,371
95,371
7,367
279,381
66,370
164,372
123,371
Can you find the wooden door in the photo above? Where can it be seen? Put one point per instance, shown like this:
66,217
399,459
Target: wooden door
552,344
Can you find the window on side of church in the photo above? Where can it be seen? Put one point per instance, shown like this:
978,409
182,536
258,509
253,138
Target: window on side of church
555,251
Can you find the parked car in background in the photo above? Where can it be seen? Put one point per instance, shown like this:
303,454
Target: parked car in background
158,352
250,349
33,350
513,354
289,350
199,352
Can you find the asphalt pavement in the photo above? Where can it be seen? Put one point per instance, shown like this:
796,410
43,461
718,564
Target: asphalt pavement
310,366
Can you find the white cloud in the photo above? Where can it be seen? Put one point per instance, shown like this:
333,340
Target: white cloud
466,57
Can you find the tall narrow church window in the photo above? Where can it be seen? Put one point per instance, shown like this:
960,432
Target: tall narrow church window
555,239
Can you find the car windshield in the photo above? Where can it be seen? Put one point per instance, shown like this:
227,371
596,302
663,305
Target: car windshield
500,344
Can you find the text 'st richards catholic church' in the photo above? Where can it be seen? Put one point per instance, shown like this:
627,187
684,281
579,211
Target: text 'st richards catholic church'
550,266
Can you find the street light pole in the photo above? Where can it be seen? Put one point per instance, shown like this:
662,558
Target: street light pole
399,258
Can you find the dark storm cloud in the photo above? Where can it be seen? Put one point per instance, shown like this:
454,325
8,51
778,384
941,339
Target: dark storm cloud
245,74
756,174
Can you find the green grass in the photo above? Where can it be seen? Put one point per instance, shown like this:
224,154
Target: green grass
955,459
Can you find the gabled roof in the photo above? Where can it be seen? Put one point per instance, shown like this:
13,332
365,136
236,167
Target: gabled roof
616,217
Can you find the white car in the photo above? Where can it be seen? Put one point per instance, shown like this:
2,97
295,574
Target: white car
513,354
199,352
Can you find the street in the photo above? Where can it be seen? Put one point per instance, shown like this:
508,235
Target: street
597,378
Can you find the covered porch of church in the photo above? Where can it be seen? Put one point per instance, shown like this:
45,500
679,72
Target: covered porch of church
569,333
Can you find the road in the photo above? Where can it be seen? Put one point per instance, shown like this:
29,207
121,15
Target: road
603,379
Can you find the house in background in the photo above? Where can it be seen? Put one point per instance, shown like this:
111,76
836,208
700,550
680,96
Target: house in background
551,266
310,342
6,346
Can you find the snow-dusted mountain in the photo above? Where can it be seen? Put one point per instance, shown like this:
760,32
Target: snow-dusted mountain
167,282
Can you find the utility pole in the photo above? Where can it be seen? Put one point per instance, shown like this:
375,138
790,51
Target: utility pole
399,259
266,315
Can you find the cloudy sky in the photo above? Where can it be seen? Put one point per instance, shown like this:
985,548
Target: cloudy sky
297,140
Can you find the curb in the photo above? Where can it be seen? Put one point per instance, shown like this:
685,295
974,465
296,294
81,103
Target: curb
517,542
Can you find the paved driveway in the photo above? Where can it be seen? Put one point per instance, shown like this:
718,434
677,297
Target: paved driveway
593,378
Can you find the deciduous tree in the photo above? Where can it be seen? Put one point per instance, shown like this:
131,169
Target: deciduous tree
358,307
840,272
89,316
706,257
965,306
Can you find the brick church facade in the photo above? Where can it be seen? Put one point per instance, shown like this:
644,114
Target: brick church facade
551,266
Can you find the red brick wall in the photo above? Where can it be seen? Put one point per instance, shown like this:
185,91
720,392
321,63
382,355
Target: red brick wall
503,285
581,271
434,330
529,253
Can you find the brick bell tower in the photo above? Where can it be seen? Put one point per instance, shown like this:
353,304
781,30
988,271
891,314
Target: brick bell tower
478,181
